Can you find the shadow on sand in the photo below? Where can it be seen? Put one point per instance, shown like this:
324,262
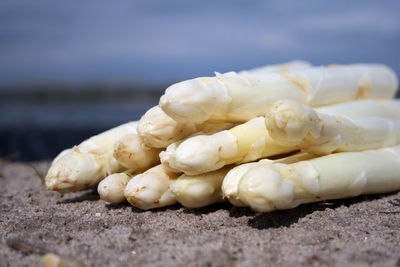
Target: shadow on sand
286,218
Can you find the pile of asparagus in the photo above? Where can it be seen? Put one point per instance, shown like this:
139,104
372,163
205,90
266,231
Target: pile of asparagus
268,138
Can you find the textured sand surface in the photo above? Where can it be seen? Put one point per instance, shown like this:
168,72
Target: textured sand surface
363,231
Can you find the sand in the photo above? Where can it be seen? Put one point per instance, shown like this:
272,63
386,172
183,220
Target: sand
363,231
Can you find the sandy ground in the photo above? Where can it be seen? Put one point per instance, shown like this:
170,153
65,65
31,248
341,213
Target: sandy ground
363,231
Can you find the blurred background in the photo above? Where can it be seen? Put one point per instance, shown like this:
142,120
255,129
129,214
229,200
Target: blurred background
71,69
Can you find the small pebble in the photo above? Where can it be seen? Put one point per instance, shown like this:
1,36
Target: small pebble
53,260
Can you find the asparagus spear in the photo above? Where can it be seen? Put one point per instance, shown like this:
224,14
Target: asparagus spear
62,154
151,189
251,141
196,192
240,97
88,163
267,186
111,189
133,154
230,185
290,123
199,190
389,109
205,153
158,188
158,130
208,188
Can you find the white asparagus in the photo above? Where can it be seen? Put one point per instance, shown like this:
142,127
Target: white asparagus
204,153
111,189
158,187
389,109
200,190
207,188
62,154
133,154
240,97
251,141
88,163
151,189
268,186
230,185
159,130
292,124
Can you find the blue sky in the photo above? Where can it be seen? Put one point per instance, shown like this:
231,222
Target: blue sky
163,41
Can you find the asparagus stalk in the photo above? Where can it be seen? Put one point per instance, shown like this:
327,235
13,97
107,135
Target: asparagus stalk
151,189
199,190
88,163
111,189
290,124
240,97
251,141
207,188
230,185
158,187
133,154
389,109
158,130
205,153
62,154
268,186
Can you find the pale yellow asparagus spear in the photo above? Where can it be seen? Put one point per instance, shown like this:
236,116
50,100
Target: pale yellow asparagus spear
62,154
199,190
251,141
290,124
159,188
111,189
207,188
151,189
204,153
158,130
268,186
389,109
240,97
89,162
230,185
132,153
